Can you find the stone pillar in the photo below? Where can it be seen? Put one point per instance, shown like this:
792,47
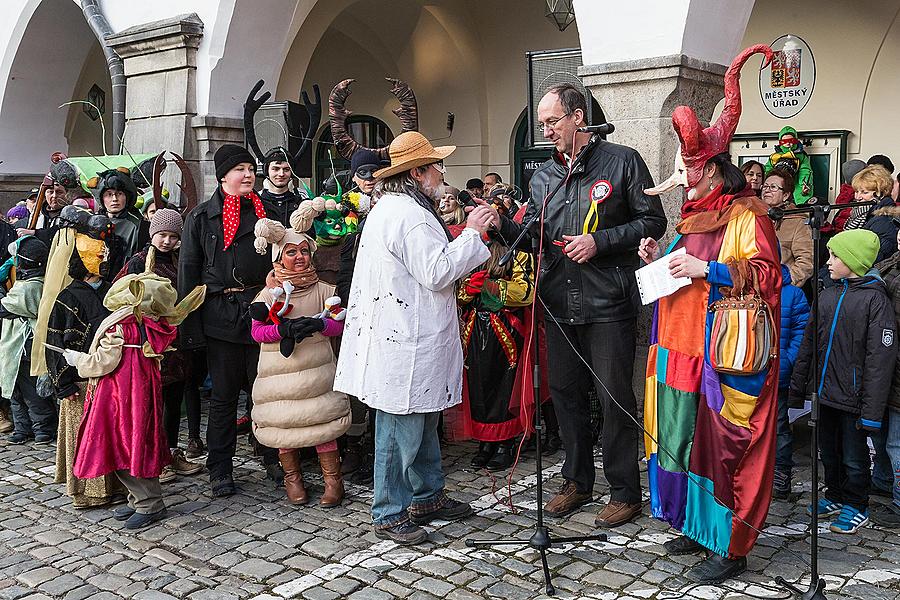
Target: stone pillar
638,97
161,75
211,132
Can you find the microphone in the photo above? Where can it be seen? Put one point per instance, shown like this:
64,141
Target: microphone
602,129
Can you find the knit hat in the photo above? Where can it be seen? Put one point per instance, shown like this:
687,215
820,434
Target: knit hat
19,211
857,248
366,157
166,219
850,168
31,254
229,156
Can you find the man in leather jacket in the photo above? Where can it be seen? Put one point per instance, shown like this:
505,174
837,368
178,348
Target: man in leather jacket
591,230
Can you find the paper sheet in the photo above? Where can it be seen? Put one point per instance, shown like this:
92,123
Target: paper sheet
655,281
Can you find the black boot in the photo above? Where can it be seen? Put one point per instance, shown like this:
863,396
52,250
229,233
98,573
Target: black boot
682,545
275,474
503,458
353,455
486,451
717,569
552,444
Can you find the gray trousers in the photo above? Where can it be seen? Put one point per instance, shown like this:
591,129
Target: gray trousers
144,495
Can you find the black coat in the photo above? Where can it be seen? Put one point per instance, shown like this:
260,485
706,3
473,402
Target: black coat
883,221
283,205
77,313
603,289
857,346
232,277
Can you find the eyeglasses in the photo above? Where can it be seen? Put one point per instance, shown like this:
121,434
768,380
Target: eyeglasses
439,166
550,123
771,186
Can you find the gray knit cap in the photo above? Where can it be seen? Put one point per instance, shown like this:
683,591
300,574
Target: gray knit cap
166,219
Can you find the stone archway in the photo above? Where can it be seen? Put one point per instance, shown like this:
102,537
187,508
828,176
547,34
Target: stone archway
48,52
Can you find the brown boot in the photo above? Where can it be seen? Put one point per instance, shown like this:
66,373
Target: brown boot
334,482
293,477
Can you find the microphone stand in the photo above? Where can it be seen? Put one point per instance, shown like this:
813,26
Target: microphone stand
541,539
816,220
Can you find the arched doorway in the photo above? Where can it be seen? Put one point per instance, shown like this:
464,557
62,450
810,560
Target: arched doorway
527,159
365,129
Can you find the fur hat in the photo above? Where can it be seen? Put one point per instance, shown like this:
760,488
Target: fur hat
119,180
229,156
166,219
270,232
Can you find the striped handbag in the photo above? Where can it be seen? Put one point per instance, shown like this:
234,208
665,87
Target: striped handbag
743,338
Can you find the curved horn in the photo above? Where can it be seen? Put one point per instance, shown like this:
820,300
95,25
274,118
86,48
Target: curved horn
337,114
187,186
250,107
314,110
159,165
726,124
408,112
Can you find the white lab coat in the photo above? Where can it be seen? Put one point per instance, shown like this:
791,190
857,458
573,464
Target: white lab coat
401,350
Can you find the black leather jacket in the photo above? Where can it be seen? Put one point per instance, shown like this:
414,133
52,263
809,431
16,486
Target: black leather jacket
603,289
233,277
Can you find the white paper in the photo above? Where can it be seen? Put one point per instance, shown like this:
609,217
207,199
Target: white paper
655,281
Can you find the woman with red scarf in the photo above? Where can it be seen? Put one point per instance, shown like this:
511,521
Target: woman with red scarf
293,318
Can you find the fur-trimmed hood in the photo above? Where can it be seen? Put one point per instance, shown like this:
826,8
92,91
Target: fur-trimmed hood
888,211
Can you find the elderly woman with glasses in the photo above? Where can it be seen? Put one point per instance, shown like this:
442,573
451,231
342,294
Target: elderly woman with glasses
793,233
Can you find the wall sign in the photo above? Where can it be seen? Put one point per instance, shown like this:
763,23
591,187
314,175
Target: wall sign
786,85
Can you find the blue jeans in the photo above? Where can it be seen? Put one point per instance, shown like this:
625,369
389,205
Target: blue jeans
784,441
892,446
882,471
408,470
845,456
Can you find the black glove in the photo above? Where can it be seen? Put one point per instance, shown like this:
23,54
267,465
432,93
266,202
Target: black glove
304,327
284,329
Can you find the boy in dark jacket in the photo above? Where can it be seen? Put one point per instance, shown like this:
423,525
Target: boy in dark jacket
857,350
794,315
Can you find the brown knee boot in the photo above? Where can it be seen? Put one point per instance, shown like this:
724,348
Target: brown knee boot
334,482
293,477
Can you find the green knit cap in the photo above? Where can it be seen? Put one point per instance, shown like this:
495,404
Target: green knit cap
857,248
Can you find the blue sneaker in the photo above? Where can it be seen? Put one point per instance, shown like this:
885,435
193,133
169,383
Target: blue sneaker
850,520
827,508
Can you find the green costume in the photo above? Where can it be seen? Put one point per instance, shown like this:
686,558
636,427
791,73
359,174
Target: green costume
792,157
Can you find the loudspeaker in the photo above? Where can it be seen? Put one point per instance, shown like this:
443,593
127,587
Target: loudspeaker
547,68
271,125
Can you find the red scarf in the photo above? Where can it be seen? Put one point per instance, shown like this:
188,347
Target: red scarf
231,214
714,200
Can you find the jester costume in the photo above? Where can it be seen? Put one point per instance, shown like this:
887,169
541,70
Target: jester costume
710,436
792,157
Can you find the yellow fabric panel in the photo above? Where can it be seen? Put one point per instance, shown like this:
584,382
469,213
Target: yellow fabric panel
650,423
738,406
739,240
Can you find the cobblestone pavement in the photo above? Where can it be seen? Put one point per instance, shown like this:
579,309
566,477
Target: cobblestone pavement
255,546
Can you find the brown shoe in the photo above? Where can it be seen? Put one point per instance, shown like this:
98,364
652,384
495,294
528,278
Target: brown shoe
567,500
182,465
617,513
334,482
6,424
293,477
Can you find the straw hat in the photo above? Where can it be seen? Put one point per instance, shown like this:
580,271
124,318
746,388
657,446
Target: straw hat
410,150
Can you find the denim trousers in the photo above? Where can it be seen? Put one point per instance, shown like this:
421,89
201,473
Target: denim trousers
890,433
882,467
784,440
408,472
845,455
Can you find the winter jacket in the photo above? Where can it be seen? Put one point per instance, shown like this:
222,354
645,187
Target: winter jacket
883,220
795,239
283,205
794,315
294,405
612,180
857,349
18,311
890,272
232,276
73,322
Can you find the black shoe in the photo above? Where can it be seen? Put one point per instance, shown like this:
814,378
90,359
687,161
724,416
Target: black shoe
450,510
19,438
140,520
275,474
886,516
353,456
682,545
503,458
223,487
877,491
123,513
781,486
486,451
404,534
365,474
43,438
717,569
551,445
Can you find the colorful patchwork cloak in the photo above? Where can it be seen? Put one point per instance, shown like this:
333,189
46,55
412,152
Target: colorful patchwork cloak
716,432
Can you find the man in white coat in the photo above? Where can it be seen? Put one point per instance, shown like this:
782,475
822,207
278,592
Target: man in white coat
401,352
